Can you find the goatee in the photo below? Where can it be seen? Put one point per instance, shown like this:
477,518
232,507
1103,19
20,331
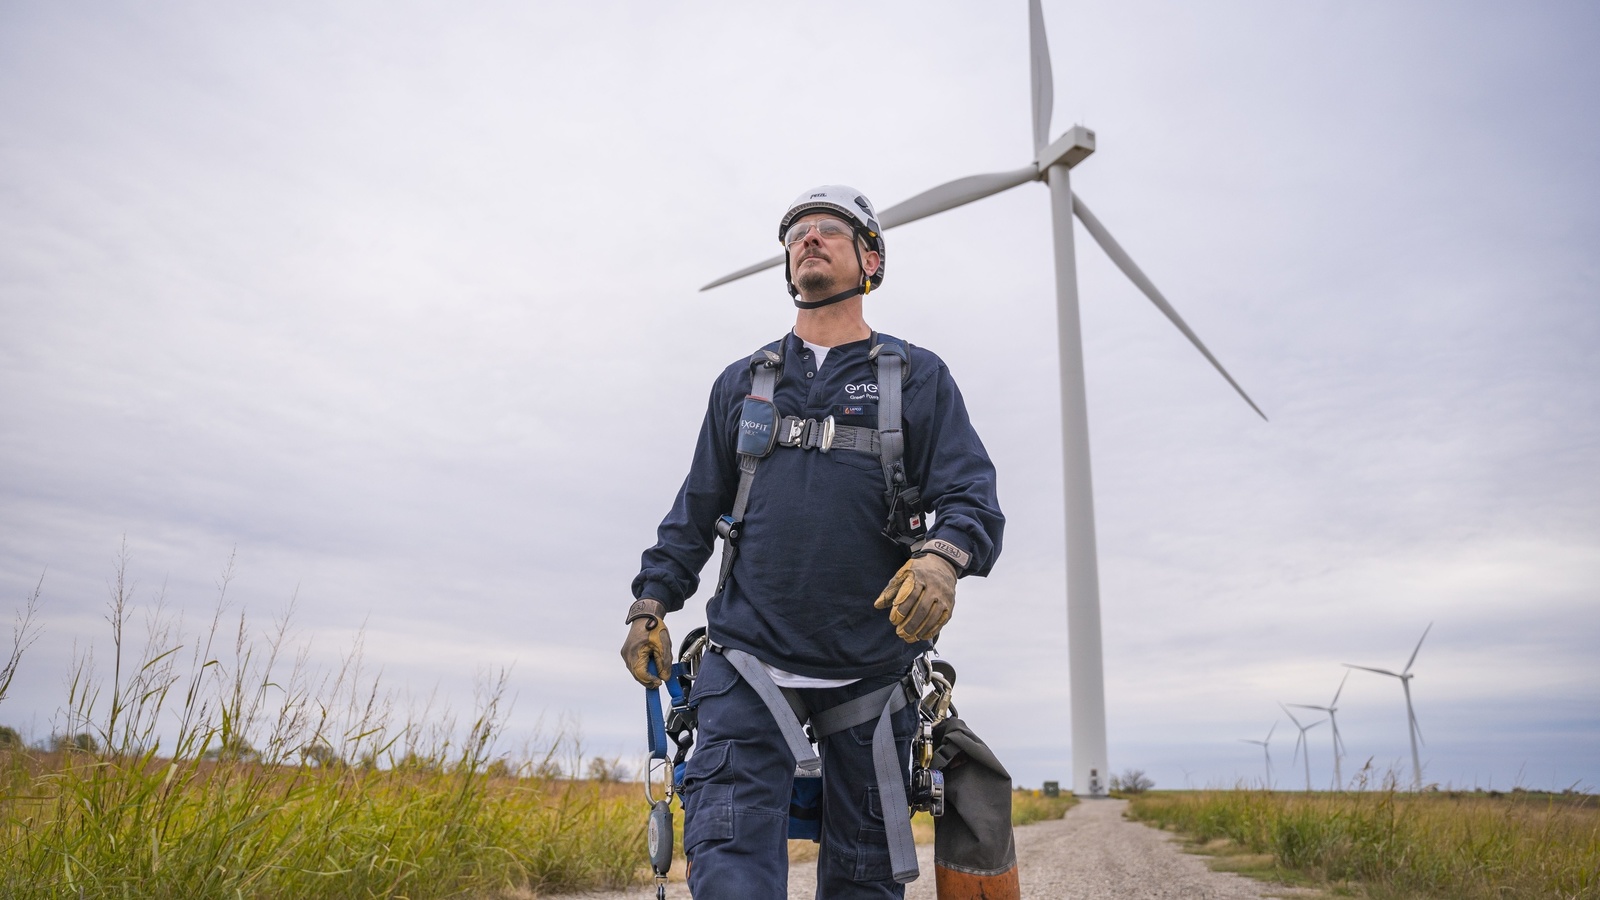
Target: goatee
813,281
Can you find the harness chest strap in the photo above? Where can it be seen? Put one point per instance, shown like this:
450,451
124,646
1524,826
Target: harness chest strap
824,435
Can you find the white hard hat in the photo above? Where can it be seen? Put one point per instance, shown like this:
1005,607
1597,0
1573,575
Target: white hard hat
852,206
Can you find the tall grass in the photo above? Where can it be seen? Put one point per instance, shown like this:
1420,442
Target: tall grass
216,767
1029,806
1401,845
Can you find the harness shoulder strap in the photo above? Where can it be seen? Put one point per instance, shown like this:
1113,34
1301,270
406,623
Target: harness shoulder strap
765,368
890,360
891,357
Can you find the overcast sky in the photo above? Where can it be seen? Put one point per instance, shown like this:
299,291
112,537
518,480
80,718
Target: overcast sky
398,302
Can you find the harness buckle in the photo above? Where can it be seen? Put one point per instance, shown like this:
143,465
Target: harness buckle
807,434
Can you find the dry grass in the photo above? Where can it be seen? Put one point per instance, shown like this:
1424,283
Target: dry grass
1034,806
219,765
1388,844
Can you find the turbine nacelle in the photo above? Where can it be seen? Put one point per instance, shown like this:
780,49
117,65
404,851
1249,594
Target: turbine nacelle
1073,147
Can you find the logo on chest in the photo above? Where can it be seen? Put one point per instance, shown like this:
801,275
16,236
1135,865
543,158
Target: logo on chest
861,390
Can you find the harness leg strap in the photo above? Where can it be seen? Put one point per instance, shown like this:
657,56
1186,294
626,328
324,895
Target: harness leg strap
806,761
892,794
881,704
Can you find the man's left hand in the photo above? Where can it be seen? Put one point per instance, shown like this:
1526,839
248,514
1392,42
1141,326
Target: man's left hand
920,597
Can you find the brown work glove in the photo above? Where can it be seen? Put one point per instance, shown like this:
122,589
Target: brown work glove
920,597
647,640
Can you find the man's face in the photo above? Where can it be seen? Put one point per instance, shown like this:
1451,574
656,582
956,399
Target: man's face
822,265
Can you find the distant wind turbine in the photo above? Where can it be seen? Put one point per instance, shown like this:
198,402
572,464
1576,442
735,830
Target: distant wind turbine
1405,677
1265,750
1338,742
1300,743
1051,164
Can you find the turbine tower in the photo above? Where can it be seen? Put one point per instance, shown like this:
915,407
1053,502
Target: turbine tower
1300,742
1405,677
1338,742
1052,163
1267,751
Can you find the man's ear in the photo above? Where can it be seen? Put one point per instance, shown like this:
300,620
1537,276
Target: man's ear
869,262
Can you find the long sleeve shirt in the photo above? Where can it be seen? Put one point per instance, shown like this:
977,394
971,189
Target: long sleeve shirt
812,557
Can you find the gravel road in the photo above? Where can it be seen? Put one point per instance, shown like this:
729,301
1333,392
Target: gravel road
1091,854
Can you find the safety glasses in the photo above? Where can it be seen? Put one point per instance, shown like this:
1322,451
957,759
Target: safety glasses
827,227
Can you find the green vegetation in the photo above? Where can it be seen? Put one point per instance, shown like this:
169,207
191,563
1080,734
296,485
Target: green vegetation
242,773
1388,844
1033,806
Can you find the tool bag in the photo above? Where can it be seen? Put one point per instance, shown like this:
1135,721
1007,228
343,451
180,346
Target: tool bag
974,849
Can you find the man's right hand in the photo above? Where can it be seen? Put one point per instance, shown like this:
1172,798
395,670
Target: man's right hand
647,640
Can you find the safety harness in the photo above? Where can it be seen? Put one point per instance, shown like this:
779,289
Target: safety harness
762,429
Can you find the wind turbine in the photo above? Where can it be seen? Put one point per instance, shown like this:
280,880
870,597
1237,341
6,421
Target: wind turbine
1300,742
1405,677
1265,750
1338,742
1052,163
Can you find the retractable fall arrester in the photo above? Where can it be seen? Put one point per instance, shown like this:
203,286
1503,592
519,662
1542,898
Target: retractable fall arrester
659,833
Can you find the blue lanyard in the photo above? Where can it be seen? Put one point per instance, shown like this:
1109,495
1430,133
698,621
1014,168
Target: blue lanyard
655,720
655,723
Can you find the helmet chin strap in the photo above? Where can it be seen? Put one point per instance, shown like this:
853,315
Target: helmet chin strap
827,301
862,289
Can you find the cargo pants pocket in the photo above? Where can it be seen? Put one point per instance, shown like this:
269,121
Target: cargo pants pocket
872,844
707,805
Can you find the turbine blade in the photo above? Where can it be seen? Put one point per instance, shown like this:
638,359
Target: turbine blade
1419,647
1418,726
935,200
952,194
1370,669
747,270
1309,706
1289,714
1126,264
1040,79
1269,733
1334,703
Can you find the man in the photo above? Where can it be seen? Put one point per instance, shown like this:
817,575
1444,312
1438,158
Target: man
804,491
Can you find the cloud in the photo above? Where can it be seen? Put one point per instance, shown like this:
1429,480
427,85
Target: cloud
402,305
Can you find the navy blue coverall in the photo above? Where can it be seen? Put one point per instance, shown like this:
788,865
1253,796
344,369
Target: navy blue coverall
812,559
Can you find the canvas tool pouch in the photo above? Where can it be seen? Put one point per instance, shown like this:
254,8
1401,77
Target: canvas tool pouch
974,851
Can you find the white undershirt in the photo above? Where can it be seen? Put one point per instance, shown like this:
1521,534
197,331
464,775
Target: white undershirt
790,679
820,352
